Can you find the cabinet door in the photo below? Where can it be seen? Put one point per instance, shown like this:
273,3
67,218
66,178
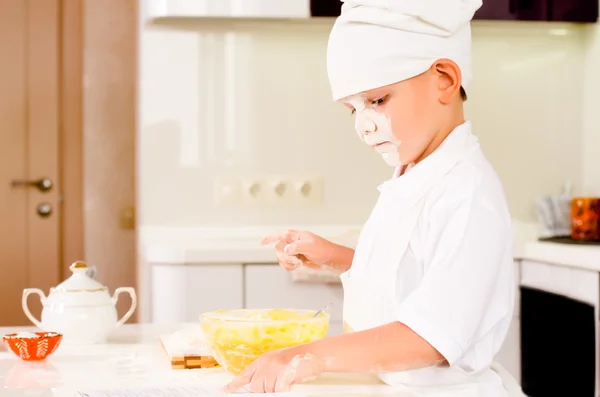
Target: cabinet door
539,10
531,10
496,10
578,284
517,309
181,293
325,8
268,286
521,10
509,355
574,10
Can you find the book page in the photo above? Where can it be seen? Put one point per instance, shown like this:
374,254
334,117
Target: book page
175,391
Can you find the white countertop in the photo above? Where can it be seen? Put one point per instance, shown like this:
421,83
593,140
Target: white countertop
134,358
241,245
571,255
209,245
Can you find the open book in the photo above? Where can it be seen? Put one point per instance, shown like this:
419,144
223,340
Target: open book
174,391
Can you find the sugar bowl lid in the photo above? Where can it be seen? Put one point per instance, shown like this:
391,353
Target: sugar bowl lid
79,280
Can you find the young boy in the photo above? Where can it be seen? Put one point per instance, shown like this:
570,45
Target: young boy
429,291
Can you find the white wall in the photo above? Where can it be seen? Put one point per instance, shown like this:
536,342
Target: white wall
226,97
591,112
526,106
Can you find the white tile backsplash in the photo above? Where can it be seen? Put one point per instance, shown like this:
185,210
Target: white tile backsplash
229,97
526,107
591,112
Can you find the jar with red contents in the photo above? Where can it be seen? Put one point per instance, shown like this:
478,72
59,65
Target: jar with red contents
585,218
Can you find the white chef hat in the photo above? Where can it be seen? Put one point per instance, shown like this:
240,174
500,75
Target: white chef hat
375,43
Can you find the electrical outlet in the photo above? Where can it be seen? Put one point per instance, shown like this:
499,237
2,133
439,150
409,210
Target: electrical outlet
253,191
268,190
227,191
307,190
277,190
236,191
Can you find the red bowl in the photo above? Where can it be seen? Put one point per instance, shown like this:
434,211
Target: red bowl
33,348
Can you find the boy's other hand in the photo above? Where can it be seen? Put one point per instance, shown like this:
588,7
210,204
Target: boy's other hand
295,248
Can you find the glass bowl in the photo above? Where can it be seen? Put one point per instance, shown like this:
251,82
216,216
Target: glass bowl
238,337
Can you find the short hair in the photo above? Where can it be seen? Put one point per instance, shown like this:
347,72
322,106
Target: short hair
463,93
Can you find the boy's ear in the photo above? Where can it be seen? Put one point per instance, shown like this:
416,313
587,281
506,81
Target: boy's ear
449,80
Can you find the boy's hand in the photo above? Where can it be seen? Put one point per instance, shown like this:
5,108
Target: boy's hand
295,248
276,371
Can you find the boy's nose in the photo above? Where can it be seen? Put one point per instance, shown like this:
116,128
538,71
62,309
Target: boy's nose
365,126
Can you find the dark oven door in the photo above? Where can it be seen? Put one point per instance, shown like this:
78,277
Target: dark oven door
558,345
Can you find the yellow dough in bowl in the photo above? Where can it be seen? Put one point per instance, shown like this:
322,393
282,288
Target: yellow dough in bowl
238,337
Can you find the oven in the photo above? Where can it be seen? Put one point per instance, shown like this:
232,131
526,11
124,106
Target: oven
559,331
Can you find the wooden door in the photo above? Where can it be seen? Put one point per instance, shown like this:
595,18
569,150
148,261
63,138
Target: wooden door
29,146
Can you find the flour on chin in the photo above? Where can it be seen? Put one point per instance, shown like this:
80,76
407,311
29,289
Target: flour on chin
392,158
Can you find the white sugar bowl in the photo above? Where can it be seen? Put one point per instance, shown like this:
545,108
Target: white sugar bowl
80,308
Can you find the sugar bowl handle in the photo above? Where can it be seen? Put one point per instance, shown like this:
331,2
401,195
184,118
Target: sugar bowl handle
115,299
26,293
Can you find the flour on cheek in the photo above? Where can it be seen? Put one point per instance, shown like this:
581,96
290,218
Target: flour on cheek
375,129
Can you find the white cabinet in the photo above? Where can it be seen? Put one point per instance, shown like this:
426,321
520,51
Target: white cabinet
517,311
509,355
570,282
181,293
268,286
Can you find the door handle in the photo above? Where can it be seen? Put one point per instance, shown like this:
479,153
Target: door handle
43,184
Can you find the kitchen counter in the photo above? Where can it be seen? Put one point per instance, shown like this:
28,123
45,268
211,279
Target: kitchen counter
134,358
226,245
241,245
571,255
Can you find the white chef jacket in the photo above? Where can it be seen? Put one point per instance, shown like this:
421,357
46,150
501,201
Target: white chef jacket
455,281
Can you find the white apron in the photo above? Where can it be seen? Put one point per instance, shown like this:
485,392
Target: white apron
370,288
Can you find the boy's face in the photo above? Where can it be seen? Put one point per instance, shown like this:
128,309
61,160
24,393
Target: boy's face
400,121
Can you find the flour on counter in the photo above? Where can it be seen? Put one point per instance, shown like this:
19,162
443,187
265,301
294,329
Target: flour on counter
187,341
